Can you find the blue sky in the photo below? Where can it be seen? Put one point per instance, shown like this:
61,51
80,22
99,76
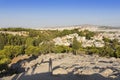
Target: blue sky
45,13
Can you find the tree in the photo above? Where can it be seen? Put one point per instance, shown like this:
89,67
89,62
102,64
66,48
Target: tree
60,49
106,40
32,50
29,42
2,41
117,52
13,51
4,61
64,32
75,45
46,47
89,34
93,50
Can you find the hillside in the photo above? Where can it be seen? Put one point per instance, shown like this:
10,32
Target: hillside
68,67
22,50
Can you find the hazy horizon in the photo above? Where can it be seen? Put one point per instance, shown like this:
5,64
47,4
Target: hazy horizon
50,13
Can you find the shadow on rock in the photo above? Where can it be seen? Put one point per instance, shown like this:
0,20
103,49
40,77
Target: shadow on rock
17,67
69,76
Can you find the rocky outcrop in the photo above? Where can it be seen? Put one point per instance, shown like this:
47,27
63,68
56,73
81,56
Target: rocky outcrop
107,72
64,64
59,71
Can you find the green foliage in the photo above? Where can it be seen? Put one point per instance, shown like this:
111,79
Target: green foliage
81,33
106,39
76,45
4,61
14,29
87,34
8,39
111,49
40,42
2,41
32,50
40,36
117,52
108,51
46,47
29,41
67,32
33,33
93,50
13,51
61,49
37,41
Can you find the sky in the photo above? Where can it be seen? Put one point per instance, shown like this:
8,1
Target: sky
47,13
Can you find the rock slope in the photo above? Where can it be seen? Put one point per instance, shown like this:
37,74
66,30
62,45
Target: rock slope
69,67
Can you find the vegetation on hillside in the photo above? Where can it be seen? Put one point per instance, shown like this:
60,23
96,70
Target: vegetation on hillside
40,42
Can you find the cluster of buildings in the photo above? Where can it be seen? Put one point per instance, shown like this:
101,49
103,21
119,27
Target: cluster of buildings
96,40
68,39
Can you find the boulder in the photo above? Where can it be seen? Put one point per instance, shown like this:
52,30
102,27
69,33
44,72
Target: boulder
113,76
77,71
59,71
88,72
106,72
70,69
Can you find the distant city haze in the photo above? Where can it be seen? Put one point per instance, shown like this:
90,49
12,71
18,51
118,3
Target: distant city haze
48,13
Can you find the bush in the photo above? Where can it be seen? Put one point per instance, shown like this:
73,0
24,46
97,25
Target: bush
117,52
13,51
4,61
32,50
61,49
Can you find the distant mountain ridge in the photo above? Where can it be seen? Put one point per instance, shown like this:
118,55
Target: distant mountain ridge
84,26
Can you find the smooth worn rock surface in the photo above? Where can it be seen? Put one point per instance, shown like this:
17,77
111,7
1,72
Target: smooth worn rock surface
107,72
59,71
67,67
